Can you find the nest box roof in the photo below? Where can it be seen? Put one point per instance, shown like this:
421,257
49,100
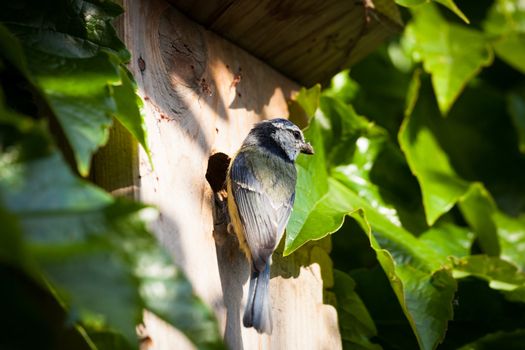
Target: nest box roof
307,40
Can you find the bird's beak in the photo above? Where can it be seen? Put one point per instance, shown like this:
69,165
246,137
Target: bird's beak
307,148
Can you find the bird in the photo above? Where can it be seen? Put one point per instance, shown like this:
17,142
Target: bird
261,181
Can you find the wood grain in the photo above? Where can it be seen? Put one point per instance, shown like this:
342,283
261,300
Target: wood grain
308,40
202,95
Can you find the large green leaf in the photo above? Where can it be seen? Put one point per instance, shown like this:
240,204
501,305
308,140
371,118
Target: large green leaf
440,185
447,3
342,87
75,60
425,136
452,54
335,133
424,290
505,24
500,274
93,251
511,234
76,29
32,318
477,208
129,106
357,327
448,240
312,182
389,96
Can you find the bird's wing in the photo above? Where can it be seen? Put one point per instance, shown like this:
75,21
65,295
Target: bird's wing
264,193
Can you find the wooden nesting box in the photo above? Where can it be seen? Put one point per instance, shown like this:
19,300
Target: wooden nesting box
204,86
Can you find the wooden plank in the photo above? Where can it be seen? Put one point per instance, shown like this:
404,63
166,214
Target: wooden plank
202,95
309,41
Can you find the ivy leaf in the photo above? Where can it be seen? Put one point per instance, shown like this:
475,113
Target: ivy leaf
424,290
357,327
312,183
448,240
84,243
440,184
128,108
104,339
511,234
77,90
342,87
500,274
447,3
75,60
425,136
78,29
505,24
511,49
452,54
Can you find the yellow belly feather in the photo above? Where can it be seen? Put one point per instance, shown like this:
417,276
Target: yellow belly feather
236,222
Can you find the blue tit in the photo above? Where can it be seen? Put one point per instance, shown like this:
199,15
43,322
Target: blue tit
261,191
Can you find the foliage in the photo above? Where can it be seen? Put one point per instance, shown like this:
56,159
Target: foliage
76,263
419,169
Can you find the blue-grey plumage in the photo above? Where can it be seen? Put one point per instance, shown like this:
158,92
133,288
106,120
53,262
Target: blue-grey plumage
261,191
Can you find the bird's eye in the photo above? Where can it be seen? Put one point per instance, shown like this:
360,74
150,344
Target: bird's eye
297,134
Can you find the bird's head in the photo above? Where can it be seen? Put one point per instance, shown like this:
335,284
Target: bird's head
283,134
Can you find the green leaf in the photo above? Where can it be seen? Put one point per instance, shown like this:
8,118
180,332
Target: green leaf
477,208
162,286
448,240
312,182
423,290
355,323
108,340
85,243
81,277
390,95
511,234
342,87
129,107
308,99
78,29
335,127
425,296
324,218
500,274
80,273
440,184
447,3
452,54
516,109
75,60
505,23
32,318
350,144
77,91
413,92
501,340
511,49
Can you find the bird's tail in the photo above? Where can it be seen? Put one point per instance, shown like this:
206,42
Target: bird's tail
257,311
